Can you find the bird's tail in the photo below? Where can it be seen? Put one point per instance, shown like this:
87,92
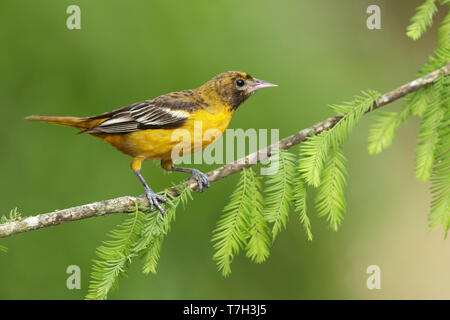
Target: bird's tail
76,122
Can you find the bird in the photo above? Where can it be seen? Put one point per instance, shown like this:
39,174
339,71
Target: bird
145,130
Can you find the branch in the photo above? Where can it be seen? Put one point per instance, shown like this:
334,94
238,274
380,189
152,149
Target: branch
127,203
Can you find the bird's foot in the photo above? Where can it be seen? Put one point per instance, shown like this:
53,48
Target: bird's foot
154,199
201,178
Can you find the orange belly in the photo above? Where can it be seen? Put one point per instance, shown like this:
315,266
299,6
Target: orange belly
201,129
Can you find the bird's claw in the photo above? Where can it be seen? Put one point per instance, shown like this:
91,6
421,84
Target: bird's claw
153,199
201,178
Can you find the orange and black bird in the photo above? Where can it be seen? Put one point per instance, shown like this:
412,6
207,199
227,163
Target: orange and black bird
145,130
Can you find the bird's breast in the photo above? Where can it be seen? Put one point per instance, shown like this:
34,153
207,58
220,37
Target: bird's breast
202,128
205,127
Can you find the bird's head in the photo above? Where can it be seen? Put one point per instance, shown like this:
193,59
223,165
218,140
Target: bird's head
234,87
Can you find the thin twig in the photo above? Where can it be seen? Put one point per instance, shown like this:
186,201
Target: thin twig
127,203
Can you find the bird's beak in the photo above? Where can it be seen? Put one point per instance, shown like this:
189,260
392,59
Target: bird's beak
261,84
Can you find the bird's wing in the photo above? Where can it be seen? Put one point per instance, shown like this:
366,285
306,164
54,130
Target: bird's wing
140,116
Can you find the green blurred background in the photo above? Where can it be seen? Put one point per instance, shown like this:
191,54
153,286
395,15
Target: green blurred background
319,52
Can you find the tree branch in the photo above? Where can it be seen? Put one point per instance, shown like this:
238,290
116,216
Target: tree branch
127,203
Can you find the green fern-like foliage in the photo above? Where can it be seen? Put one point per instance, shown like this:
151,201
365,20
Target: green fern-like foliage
258,245
314,152
141,234
444,32
440,176
300,204
330,200
14,215
151,251
422,19
428,136
156,228
315,149
439,59
246,218
149,243
232,228
114,256
279,190
431,104
440,173
440,189
417,103
383,131
320,164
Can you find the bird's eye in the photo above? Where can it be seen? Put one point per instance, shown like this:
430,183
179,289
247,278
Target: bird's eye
240,82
